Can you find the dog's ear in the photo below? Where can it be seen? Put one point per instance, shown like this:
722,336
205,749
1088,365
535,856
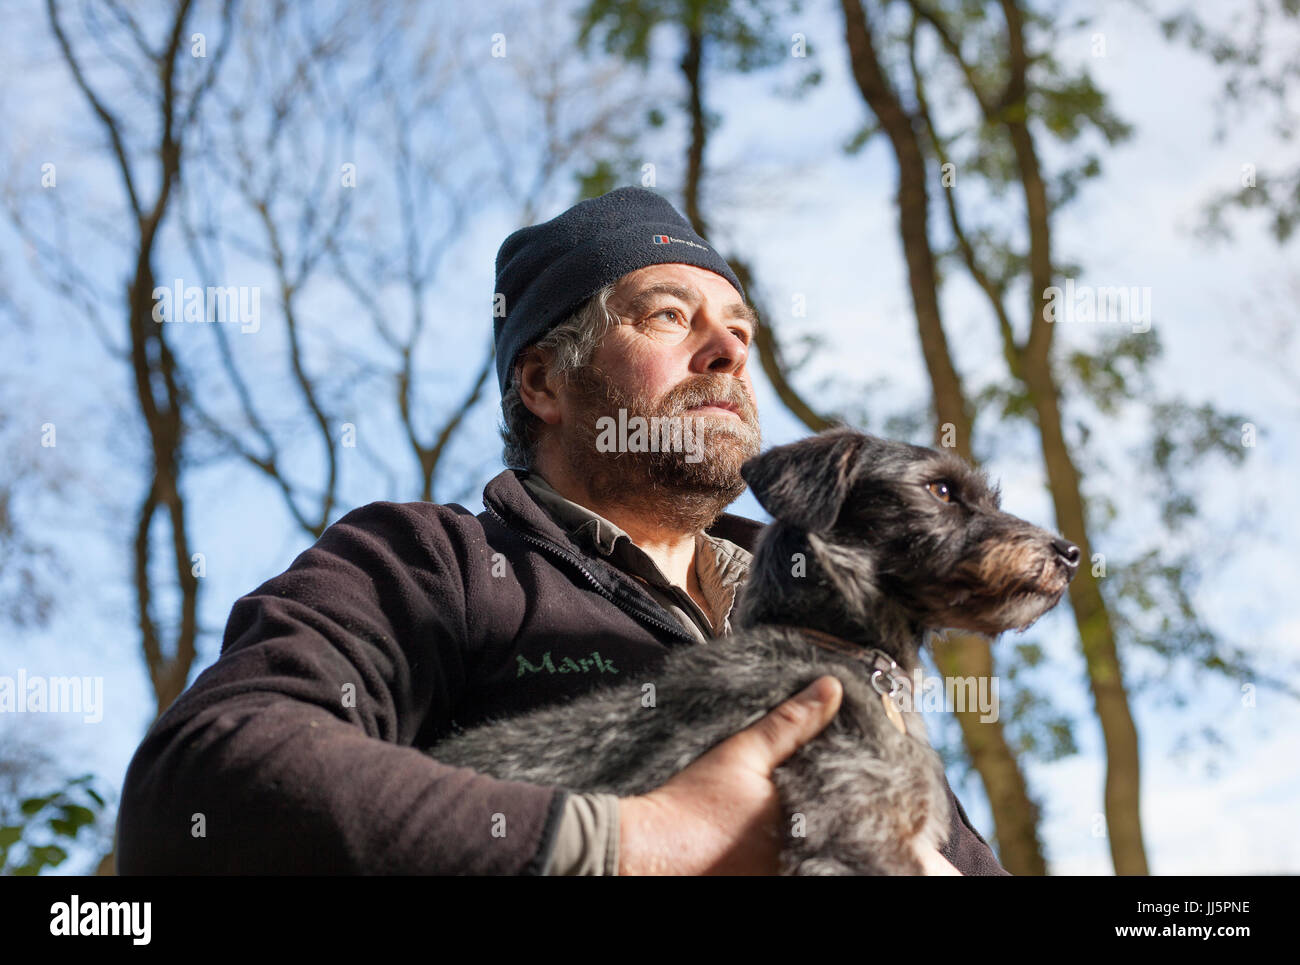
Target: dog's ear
804,483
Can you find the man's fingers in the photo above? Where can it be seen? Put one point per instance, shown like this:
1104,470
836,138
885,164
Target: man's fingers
790,725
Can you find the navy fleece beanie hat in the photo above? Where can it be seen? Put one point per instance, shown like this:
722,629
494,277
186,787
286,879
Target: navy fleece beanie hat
544,272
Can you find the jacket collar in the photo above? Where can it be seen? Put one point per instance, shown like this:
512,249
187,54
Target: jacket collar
507,495
506,498
720,564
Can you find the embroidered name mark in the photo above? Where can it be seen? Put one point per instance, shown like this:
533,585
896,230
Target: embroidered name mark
566,665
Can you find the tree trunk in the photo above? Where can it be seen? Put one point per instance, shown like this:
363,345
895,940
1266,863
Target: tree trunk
1097,637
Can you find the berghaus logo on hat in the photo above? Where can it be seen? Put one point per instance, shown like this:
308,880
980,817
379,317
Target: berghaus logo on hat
665,239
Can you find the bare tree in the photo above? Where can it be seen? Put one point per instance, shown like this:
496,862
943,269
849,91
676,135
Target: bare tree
174,83
534,114
285,130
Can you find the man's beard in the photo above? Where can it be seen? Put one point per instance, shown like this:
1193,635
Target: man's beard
666,486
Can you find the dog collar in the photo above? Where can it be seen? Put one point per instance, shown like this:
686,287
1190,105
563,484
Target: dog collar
887,677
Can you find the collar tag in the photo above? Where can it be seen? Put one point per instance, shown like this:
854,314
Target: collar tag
887,678
891,711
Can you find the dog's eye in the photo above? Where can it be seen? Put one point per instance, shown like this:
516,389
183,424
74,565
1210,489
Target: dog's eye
941,491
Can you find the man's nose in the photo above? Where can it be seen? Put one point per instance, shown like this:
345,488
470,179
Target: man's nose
723,351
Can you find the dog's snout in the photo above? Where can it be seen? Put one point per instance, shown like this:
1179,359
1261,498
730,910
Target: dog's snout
1068,552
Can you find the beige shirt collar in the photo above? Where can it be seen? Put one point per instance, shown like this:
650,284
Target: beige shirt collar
720,565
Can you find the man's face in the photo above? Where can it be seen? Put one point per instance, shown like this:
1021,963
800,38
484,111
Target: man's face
683,343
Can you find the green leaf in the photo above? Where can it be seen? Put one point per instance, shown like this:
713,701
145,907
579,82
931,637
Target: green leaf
601,178
10,835
48,856
34,804
78,816
1030,653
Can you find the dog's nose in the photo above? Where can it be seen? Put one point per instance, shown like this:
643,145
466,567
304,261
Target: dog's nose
1068,552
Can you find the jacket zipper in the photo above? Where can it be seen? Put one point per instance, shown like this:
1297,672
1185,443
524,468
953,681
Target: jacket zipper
600,587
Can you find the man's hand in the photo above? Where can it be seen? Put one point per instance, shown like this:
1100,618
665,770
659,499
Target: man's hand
720,814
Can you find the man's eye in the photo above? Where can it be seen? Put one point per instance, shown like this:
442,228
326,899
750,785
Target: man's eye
941,491
668,321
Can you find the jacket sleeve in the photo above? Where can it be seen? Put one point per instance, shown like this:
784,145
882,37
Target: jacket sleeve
293,752
966,848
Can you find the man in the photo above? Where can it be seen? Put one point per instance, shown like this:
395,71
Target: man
298,749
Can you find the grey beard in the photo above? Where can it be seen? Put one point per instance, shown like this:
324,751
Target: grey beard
687,495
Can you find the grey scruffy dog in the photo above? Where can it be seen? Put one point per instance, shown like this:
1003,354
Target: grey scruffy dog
874,545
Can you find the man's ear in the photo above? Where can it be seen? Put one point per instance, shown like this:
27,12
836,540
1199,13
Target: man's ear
537,388
804,483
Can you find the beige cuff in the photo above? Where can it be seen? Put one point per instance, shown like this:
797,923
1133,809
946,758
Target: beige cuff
586,842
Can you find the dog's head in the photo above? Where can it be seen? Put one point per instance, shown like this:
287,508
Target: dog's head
920,527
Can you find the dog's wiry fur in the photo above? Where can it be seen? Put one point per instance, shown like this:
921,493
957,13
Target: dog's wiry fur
885,561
